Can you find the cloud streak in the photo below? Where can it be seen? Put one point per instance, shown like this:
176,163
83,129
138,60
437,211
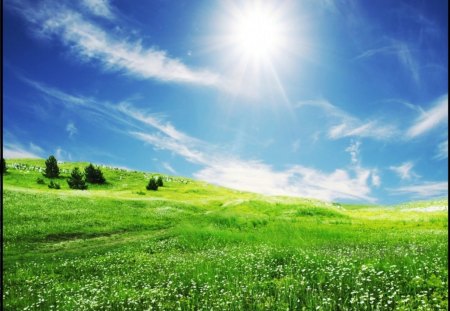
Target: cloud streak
344,124
401,51
92,43
404,171
17,151
442,151
425,190
430,119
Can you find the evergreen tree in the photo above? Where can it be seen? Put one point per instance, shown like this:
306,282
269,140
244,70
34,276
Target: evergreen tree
53,185
76,180
94,175
152,185
4,168
51,167
159,181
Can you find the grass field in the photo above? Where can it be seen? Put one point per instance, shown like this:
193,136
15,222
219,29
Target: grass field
195,246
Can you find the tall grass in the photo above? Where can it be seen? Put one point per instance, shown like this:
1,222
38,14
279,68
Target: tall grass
193,246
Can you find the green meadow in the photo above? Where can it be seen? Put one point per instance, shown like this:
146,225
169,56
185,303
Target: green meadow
195,246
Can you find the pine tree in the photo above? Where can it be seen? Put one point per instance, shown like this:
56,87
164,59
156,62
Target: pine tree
159,181
76,180
51,167
4,168
53,185
94,175
152,185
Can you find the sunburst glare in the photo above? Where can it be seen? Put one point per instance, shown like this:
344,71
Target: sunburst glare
257,40
257,32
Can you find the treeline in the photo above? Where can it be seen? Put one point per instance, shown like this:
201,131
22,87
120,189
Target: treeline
78,179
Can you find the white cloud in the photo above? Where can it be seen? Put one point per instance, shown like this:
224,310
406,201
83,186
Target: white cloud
62,155
169,168
295,181
71,129
353,149
152,120
36,149
442,151
178,147
376,179
347,125
99,7
401,51
404,171
17,151
424,190
428,120
92,43
356,128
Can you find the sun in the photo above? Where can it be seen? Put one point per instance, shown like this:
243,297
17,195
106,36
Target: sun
257,40
257,32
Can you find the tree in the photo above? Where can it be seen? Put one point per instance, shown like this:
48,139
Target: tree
76,180
53,185
4,168
159,181
94,175
51,167
152,185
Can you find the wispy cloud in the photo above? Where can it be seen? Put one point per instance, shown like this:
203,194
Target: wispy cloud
442,151
101,111
295,181
376,179
425,190
62,155
179,147
15,150
372,129
398,49
152,120
36,149
90,42
347,125
99,7
353,150
71,129
430,119
169,168
404,171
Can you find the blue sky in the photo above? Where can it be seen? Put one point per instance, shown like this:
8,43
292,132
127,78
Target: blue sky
337,100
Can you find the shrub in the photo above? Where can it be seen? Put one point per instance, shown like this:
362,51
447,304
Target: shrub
76,180
40,181
4,168
53,185
159,181
94,175
152,185
51,167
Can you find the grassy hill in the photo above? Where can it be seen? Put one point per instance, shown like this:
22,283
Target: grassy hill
195,246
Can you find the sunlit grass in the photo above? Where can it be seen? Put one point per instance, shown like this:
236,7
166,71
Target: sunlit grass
194,246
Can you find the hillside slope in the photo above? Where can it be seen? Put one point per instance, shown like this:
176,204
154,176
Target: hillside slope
191,245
